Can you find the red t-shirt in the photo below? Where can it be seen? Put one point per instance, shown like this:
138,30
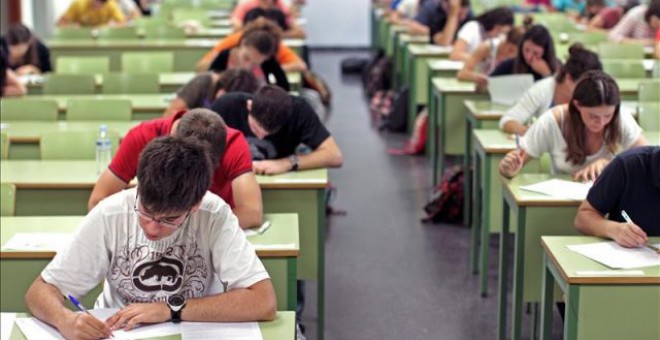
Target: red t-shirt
236,160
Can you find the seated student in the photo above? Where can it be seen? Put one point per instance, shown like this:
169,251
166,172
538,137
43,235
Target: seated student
205,88
638,25
233,179
27,54
440,20
657,45
288,59
168,221
269,8
488,25
630,183
573,8
92,13
404,11
536,55
255,52
550,91
130,10
9,84
604,18
275,123
582,136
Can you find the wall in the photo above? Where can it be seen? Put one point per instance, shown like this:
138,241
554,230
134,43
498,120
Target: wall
337,23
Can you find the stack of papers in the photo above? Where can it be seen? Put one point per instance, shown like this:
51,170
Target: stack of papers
38,241
615,256
561,189
508,89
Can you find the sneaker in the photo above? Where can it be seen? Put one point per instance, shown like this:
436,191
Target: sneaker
299,333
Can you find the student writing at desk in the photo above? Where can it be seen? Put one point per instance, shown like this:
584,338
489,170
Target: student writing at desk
581,137
275,123
638,25
630,183
167,251
486,26
233,179
92,13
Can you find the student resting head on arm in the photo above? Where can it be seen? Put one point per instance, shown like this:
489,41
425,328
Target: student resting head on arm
440,19
169,240
550,91
581,137
26,53
630,183
486,26
9,83
536,55
638,24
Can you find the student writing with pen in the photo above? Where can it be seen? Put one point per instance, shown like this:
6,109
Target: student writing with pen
582,136
168,250
630,184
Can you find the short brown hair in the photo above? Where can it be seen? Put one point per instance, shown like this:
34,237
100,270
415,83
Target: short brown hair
271,107
237,80
173,174
205,125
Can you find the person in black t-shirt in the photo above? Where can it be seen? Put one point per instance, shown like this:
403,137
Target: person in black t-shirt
275,124
440,20
630,183
24,52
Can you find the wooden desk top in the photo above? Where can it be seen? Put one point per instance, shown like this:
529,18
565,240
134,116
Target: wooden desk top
569,262
494,141
428,50
31,131
129,44
413,38
525,198
487,110
284,230
139,102
454,86
444,65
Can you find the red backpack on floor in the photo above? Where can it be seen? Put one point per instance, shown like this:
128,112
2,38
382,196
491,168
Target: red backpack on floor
446,204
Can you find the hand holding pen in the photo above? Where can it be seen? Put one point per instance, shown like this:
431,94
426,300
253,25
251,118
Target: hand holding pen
631,235
513,161
85,325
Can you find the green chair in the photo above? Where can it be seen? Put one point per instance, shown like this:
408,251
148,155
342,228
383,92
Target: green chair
117,33
124,83
164,32
70,84
624,68
620,51
73,145
72,33
649,91
99,110
4,145
7,199
29,108
587,38
147,62
82,65
649,116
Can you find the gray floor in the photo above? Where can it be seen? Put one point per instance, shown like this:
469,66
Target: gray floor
388,276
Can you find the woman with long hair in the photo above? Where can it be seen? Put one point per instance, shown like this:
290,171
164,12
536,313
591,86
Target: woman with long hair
25,53
536,55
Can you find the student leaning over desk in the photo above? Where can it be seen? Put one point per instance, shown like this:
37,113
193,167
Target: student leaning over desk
25,52
486,26
165,241
582,136
440,20
630,183
638,25
92,13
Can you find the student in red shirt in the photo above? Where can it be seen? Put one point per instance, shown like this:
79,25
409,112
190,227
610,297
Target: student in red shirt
233,179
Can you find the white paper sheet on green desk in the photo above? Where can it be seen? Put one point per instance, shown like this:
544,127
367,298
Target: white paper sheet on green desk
508,89
561,189
615,256
38,241
6,325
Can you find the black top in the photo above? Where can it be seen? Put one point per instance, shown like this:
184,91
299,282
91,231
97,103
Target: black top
274,14
505,68
631,182
433,15
43,56
302,127
268,67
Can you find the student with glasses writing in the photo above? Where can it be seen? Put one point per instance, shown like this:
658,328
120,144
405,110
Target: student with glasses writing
167,250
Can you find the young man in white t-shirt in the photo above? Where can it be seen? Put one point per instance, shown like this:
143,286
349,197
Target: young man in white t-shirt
167,250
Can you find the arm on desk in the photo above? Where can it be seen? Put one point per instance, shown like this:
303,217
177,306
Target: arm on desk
327,155
415,28
12,86
590,221
513,162
107,184
248,205
446,35
468,72
46,303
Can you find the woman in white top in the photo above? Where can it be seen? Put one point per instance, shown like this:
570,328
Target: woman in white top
582,136
551,91
486,26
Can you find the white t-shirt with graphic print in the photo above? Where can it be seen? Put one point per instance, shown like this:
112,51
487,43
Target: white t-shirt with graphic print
208,254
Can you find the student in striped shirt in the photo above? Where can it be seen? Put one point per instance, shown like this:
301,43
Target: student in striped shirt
638,25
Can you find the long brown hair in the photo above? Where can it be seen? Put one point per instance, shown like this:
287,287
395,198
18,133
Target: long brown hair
594,88
19,34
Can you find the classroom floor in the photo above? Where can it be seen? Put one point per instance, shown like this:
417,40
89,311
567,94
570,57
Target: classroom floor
388,276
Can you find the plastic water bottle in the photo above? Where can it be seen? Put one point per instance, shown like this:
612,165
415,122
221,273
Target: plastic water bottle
103,149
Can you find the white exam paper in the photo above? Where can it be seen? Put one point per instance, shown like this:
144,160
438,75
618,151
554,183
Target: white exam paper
38,241
225,330
273,246
560,188
6,325
615,256
508,89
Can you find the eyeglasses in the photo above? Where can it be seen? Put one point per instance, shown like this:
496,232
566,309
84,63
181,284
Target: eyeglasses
169,222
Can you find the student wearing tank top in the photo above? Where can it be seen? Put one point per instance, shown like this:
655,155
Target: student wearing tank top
582,136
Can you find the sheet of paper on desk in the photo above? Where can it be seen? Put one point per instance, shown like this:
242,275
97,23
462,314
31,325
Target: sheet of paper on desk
560,188
508,89
34,329
615,256
6,325
224,330
37,241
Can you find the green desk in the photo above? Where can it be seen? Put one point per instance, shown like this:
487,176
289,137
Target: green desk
20,268
24,136
535,215
392,31
415,74
402,41
210,33
283,327
598,307
63,188
169,82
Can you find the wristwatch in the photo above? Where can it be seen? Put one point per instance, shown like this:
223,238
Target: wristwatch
294,162
176,303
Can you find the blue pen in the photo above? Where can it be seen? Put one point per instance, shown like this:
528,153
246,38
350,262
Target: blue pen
81,307
517,141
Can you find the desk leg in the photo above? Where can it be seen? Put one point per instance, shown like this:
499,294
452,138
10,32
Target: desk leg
503,272
485,226
321,264
432,133
518,275
467,172
476,208
547,299
571,312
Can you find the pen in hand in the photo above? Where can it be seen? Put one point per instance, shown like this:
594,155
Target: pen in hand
81,308
629,220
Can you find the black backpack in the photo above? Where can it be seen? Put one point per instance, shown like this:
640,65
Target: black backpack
378,75
446,203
